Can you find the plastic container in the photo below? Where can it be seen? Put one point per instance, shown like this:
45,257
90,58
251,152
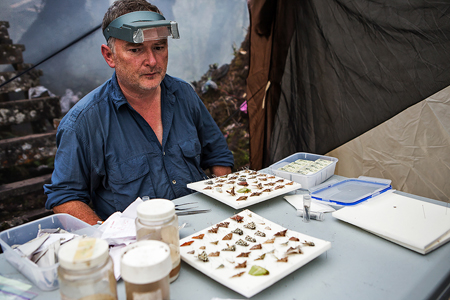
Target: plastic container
145,268
44,278
156,220
351,191
310,180
86,271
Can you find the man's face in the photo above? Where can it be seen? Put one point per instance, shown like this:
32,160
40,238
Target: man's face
140,67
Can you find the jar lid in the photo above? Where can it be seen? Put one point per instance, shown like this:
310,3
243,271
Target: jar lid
83,254
156,210
145,262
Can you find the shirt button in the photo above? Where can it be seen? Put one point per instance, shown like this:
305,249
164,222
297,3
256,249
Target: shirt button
174,181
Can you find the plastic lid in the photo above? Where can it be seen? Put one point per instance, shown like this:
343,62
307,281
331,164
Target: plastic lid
156,210
83,254
351,191
145,262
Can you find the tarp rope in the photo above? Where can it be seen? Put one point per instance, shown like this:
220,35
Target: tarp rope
52,55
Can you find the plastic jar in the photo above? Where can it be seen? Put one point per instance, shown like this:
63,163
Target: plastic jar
145,268
86,270
156,220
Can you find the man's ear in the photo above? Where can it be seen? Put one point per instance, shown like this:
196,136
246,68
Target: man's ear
108,56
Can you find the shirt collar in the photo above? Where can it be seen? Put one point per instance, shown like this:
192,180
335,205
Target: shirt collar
167,90
116,95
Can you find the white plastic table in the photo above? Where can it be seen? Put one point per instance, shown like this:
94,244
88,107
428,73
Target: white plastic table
359,265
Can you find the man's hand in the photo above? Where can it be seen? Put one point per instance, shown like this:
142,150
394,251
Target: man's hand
79,210
220,170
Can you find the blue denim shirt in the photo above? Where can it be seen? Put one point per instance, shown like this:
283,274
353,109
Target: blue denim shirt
107,153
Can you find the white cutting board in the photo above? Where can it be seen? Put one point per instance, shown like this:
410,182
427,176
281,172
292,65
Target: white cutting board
414,224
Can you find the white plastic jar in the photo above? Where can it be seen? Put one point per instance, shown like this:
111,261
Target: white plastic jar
156,220
86,270
145,268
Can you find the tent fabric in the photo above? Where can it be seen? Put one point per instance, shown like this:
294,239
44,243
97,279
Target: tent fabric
338,68
261,19
411,149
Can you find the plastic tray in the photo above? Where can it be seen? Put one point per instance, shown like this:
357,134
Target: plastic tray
351,191
44,278
307,181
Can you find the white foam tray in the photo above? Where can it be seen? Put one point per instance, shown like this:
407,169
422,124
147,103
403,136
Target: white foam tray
253,178
417,225
248,285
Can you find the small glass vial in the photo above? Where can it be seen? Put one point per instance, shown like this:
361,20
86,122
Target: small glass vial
306,208
86,270
156,220
313,215
145,268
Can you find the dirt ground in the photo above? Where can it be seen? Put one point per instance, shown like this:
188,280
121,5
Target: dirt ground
223,91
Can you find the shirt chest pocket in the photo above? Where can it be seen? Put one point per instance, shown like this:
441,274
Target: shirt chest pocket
129,170
191,149
191,154
130,179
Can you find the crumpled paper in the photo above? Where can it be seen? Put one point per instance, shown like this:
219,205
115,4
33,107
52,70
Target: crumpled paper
119,230
316,205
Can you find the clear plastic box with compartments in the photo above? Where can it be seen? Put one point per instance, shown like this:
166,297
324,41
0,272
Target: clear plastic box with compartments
306,178
45,278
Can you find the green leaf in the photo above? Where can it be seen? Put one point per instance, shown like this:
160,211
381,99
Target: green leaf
258,271
244,190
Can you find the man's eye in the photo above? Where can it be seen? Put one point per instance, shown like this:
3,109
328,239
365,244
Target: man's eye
158,48
135,50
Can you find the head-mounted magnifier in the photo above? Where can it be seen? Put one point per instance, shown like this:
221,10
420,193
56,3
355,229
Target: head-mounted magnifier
139,26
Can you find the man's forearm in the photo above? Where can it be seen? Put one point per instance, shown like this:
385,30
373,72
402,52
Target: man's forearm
220,170
79,210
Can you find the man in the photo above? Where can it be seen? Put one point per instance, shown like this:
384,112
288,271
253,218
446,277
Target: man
141,133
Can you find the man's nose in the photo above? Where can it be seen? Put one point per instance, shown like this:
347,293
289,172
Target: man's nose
150,58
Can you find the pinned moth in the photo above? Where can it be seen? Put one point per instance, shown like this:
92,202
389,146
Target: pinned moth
203,257
241,265
250,225
244,254
237,218
228,237
238,231
280,233
186,244
214,254
250,239
241,242
229,248
256,247
223,224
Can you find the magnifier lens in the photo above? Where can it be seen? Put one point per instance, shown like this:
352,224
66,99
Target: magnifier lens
156,33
